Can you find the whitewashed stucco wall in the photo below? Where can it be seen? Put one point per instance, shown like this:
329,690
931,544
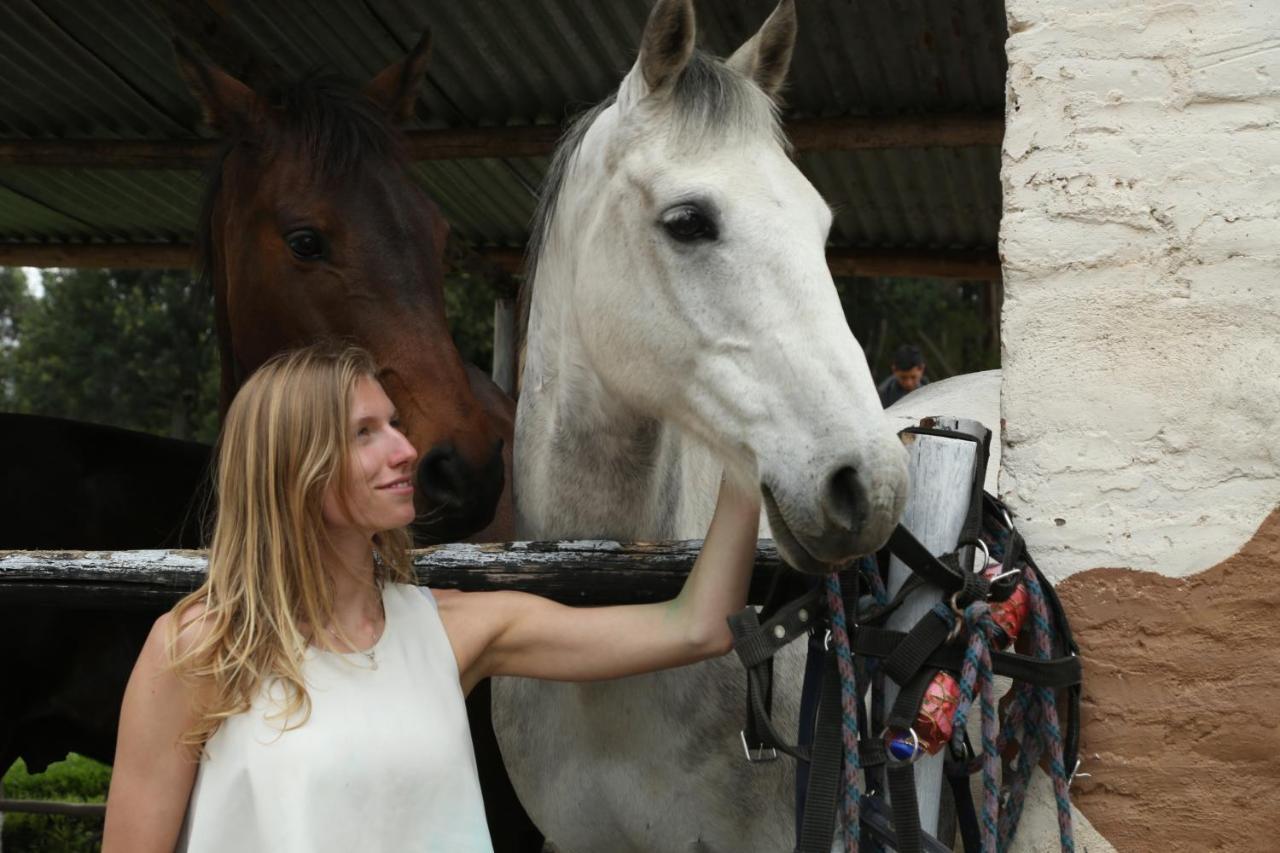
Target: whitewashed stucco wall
1141,248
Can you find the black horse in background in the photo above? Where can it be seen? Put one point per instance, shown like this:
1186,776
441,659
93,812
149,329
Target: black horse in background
73,485
70,484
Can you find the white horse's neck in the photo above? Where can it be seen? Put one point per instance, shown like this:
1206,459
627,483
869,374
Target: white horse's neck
585,462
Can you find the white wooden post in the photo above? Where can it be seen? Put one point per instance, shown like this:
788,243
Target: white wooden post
504,345
941,471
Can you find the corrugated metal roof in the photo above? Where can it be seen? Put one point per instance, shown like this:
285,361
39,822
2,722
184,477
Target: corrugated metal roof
87,70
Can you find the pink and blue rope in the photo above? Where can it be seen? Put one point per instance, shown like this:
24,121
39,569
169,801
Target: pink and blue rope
849,702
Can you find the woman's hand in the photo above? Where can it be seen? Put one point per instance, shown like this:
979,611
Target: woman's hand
513,633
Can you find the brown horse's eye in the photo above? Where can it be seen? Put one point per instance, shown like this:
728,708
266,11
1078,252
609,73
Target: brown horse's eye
305,244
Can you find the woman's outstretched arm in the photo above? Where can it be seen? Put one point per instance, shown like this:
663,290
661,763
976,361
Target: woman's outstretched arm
513,633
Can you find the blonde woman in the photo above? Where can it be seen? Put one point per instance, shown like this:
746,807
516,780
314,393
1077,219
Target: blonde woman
307,697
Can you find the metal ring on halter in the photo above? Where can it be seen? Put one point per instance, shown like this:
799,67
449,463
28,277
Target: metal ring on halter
917,749
826,641
986,555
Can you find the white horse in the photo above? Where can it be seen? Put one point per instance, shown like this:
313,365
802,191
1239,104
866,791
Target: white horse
682,325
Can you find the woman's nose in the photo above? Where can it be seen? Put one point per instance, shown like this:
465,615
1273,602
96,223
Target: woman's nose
404,453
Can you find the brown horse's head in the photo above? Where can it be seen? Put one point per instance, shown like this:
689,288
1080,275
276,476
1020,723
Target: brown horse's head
314,228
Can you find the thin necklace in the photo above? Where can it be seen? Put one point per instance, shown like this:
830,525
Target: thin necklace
372,654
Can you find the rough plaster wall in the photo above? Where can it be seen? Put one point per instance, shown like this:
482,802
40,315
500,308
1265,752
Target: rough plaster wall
1141,247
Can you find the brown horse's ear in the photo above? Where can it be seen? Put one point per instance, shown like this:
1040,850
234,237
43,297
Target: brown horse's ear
766,56
395,88
228,105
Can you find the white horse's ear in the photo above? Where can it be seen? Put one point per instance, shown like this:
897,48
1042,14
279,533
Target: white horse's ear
395,88
665,49
229,106
766,56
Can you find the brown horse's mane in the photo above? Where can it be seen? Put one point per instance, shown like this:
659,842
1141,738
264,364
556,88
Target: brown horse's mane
321,119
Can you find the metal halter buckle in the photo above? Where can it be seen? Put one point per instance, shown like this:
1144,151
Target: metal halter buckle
917,750
758,755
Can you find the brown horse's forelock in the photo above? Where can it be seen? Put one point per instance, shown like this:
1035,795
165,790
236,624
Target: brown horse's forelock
323,121
710,101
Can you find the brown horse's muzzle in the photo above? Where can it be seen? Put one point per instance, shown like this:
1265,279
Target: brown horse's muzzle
458,498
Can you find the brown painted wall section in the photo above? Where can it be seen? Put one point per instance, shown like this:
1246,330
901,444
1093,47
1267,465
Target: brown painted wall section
1182,702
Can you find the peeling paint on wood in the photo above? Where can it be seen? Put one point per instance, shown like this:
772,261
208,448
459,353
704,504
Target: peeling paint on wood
585,572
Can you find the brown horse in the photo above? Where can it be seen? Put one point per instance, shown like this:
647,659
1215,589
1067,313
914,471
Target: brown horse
313,228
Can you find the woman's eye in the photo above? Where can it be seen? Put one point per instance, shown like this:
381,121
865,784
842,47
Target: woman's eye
306,244
688,223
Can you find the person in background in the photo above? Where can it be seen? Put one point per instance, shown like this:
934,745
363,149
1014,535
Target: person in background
907,365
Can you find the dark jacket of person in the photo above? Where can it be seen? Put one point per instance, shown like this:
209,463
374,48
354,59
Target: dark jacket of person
891,392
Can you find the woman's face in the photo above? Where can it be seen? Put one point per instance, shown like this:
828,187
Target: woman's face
379,468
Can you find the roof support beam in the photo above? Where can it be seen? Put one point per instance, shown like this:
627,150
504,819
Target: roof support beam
963,265
97,255
820,134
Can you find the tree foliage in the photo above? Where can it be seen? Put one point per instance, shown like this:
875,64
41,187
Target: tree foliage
955,324
468,305
130,348
136,348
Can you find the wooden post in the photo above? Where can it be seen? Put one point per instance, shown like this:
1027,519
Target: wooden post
504,345
942,472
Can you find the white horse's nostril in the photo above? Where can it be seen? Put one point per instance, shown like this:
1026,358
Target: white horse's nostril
844,500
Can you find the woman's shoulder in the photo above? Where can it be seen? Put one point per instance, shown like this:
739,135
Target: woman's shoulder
176,632
431,594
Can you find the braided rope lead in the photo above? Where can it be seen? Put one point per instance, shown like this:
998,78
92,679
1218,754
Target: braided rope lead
976,676
851,830
1041,719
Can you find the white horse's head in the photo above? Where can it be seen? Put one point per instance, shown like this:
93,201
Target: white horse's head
701,293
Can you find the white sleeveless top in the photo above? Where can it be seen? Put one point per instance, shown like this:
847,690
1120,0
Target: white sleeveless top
384,763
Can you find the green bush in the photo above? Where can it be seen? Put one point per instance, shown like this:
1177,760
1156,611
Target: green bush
78,779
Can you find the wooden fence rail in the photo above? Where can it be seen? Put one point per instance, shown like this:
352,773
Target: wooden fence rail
51,807
587,572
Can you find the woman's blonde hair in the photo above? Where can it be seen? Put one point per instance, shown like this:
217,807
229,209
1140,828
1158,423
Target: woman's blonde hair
284,442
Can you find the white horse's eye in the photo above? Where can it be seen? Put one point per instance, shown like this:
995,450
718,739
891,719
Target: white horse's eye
688,223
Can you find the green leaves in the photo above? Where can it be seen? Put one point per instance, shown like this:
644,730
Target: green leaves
131,348
955,324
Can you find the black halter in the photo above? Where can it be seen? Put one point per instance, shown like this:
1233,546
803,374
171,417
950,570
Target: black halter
910,658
